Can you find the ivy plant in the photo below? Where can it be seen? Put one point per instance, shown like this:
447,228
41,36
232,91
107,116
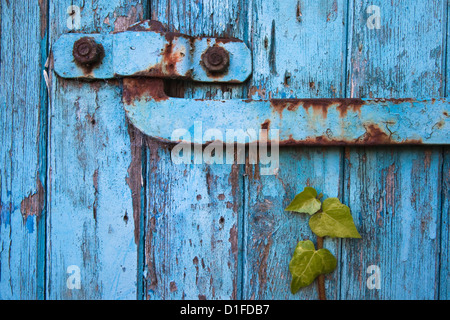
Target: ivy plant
329,218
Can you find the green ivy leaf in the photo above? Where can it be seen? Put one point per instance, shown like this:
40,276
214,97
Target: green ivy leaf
307,263
334,221
305,202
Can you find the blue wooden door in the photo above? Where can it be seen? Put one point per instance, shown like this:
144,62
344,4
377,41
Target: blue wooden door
92,208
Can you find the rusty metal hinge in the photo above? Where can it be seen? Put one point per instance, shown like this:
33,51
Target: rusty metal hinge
145,54
146,50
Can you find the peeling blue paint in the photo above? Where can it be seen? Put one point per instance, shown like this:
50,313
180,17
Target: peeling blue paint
30,223
6,209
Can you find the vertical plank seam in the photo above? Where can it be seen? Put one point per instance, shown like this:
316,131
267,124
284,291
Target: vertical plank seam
43,163
246,33
141,291
445,49
347,49
441,220
10,209
347,56
241,220
241,241
441,182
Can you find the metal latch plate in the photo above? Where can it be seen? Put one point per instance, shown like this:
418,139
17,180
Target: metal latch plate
153,54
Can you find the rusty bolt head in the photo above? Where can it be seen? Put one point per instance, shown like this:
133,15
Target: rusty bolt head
216,59
87,52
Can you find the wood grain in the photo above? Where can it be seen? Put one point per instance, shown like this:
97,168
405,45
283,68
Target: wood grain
81,187
23,50
394,193
192,211
299,51
92,206
444,271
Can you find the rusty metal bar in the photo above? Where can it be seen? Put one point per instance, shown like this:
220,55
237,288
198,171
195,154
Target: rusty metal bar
298,121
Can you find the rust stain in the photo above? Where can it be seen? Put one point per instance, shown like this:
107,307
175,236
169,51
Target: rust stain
210,179
280,104
134,179
319,106
170,36
87,69
170,58
349,104
333,13
265,125
214,75
148,25
43,11
233,239
154,147
252,170
173,286
33,204
227,40
150,255
195,261
143,88
298,13
427,161
373,136
347,155
211,283
262,271
391,187
167,67
261,92
234,182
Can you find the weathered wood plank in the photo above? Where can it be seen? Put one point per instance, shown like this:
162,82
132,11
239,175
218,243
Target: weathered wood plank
271,233
94,199
444,281
191,238
192,216
394,192
395,199
23,49
298,52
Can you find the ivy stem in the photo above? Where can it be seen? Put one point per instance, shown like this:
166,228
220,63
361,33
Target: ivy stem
321,278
